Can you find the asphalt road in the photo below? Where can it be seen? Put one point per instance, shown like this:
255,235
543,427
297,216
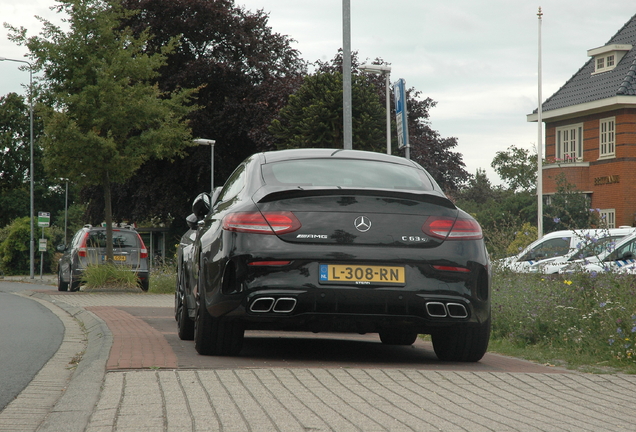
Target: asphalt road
29,336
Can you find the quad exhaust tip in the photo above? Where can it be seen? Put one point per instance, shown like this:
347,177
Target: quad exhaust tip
443,310
271,304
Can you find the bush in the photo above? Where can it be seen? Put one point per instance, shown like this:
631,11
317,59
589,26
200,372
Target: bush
109,276
583,318
163,279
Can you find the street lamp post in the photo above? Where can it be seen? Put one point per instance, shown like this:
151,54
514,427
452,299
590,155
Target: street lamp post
386,71
202,141
32,239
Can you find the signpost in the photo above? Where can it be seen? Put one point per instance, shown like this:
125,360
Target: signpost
399,91
44,221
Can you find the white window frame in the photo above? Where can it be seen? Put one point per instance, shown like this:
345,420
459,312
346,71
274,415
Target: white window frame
569,143
608,218
607,137
605,63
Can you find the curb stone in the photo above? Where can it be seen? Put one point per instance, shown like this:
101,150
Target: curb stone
40,407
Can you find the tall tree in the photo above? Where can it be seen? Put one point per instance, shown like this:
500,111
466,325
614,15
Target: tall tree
246,72
517,168
15,161
105,117
428,148
313,115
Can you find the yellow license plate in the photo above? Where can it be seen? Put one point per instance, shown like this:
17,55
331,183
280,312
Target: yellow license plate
362,275
119,258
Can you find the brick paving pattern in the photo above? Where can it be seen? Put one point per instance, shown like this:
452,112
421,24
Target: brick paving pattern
136,345
131,396
362,400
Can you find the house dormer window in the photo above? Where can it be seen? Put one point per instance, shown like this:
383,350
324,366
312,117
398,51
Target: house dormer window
607,57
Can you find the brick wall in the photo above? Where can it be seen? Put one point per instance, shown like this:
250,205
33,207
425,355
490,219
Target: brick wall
612,181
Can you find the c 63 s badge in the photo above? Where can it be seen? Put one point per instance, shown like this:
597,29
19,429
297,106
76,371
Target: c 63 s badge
414,239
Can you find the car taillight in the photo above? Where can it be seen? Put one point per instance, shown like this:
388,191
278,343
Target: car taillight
143,252
261,223
452,229
81,250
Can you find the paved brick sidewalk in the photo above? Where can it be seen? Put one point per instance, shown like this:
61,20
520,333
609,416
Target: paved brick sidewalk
301,399
283,399
136,345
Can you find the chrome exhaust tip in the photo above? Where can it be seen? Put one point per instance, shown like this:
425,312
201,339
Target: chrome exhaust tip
262,305
456,310
436,309
284,305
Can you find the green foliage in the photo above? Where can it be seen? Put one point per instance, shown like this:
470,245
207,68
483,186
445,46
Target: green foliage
501,212
517,168
109,276
568,208
313,115
105,116
580,318
15,250
526,235
163,279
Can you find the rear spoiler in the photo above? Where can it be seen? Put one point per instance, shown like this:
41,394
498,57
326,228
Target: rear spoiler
268,194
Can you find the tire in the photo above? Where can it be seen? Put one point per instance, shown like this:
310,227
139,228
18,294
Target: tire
185,325
73,284
398,337
216,336
144,285
61,285
462,344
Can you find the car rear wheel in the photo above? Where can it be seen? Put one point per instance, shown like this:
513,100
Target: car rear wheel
216,336
61,285
398,337
462,343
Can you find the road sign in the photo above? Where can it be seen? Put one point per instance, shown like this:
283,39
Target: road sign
399,91
44,219
42,245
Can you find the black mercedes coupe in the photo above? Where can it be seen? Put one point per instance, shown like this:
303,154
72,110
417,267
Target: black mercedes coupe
327,240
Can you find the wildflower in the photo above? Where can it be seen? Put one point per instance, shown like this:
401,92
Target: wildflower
603,304
594,273
634,329
567,282
556,220
619,330
611,341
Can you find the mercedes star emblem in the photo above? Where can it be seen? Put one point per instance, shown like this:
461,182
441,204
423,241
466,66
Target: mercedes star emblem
362,223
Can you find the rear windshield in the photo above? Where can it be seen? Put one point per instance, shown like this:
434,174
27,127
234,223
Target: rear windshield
346,173
121,239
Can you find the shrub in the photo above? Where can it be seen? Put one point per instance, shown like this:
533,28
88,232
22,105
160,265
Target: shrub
109,276
581,316
163,279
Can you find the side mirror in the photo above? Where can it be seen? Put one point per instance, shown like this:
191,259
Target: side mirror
201,205
191,220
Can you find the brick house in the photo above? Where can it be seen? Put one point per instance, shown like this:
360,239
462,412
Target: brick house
590,129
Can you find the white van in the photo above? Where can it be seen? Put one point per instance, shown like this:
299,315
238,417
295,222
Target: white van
547,254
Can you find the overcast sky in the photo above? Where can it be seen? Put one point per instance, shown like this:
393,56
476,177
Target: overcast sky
477,59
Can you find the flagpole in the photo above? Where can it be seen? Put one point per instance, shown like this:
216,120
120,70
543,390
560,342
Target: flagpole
540,144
